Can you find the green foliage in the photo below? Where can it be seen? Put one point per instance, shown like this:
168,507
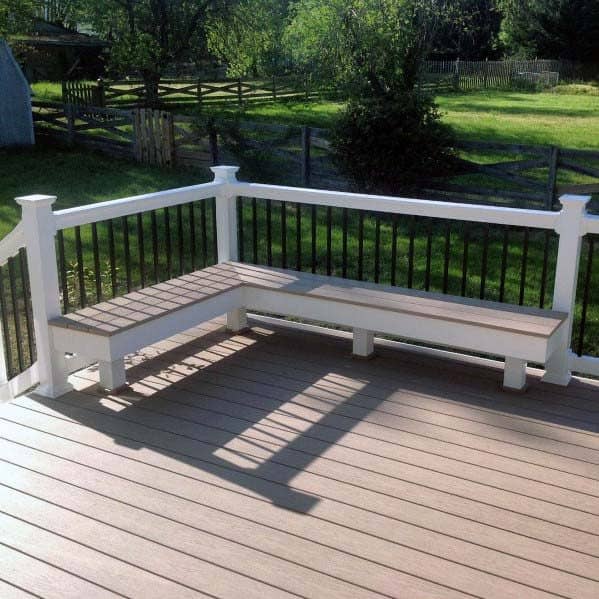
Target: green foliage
387,143
16,16
552,28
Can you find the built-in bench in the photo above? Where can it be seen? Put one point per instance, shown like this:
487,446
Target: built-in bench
110,330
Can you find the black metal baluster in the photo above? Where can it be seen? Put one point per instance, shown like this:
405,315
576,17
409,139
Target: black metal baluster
329,240
447,257
97,265
585,295
361,245
284,234
240,230
255,229
429,251
8,345
298,237
141,250
269,232
524,266
465,258
180,239
192,237
80,272
62,265
167,243
377,248
214,234
313,223
127,248
544,269
24,274
154,245
504,256
485,262
344,244
204,233
411,253
16,312
394,250
112,258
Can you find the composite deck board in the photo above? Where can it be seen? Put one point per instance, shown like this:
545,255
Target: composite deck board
271,464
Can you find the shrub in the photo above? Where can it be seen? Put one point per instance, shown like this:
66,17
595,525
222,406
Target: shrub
391,142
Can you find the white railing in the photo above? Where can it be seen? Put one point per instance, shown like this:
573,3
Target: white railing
40,223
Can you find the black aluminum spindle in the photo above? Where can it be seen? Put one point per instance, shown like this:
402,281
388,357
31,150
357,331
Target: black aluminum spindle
345,222
167,243
485,262
269,232
361,245
8,345
192,237
544,269
80,271
127,251
394,250
24,274
377,248
16,313
112,259
255,230
240,230
313,224
411,252
504,256
62,265
180,240
447,257
154,224
141,250
585,295
97,266
524,266
298,236
284,234
329,240
203,234
214,234
465,258
429,251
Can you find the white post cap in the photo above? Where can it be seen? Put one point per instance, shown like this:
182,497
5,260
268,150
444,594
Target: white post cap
225,174
35,200
574,200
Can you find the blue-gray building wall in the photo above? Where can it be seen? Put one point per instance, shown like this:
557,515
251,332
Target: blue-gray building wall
16,123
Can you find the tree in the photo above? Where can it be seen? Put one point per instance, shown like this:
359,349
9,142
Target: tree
249,37
566,29
16,16
147,35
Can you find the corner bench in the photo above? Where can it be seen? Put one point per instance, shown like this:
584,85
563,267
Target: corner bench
110,330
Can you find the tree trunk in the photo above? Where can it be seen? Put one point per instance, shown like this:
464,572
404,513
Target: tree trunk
151,82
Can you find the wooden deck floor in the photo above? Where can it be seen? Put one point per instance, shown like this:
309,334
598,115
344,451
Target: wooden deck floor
271,464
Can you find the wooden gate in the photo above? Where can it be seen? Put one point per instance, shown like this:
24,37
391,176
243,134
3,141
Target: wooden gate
153,136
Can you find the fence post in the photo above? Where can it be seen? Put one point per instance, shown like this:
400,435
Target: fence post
226,233
552,178
213,143
456,75
101,93
239,92
570,230
274,87
306,143
69,110
40,229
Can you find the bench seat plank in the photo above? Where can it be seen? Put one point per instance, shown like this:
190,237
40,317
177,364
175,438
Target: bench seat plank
117,315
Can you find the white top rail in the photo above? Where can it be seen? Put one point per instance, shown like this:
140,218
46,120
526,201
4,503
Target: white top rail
591,224
12,243
83,215
540,219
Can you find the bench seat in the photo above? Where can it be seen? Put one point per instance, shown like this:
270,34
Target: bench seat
109,330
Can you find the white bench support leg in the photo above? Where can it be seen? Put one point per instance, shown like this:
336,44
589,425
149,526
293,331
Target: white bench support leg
112,374
514,374
363,345
237,320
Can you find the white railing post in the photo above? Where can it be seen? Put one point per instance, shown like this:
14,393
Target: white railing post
570,227
39,229
226,232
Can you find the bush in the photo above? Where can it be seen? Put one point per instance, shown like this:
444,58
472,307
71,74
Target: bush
391,142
